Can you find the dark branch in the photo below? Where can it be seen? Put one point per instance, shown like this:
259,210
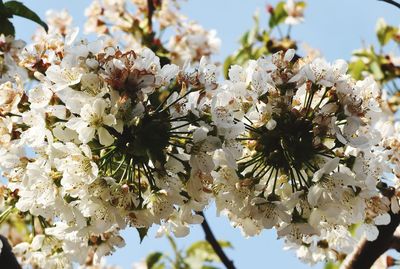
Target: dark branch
396,240
215,245
367,252
150,11
391,2
7,257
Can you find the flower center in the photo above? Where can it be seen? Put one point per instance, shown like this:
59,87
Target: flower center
289,144
147,139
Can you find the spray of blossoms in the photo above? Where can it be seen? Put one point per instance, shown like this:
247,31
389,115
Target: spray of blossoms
106,138
117,140
297,154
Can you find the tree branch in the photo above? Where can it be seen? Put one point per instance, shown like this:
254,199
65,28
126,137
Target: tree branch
7,257
396,240
367,252
391,2
215,245
150,11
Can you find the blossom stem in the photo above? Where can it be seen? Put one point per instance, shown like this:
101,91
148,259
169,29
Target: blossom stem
270,176
275,181
322,98
119,166
279,32
262,173
185,124
292,180
248,119
160,106
5,213
214,243
139,187
289,31
177,100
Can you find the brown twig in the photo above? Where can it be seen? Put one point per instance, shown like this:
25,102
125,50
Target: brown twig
396,240
7,257
367,252
150,11
391,2
215,245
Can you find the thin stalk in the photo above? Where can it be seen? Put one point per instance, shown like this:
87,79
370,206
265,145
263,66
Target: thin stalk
4,215
214,244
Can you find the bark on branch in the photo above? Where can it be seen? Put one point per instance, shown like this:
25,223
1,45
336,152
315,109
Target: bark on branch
7,257
367,252
391,2
152,5
150,11
215,245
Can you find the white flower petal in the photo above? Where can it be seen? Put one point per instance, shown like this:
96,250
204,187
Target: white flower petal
104,137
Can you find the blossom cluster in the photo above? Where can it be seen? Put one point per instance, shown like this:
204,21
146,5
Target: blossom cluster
300,153
105,138
113,20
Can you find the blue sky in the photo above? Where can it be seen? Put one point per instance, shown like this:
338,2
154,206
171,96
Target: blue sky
335,27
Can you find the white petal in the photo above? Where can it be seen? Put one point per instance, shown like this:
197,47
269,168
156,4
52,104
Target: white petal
331,165
371,232
104,137
37,242
181,231
289,55
99,106
86,134
394,206
109,120
314,194
383,219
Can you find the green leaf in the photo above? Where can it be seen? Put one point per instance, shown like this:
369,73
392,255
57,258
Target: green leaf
353,229
301,4
377,71
278,16
152,259
19,9
159,266
6,27
356,68
265,37
244,39
227,64
173,243
258,52
142,233
254,32
385,32
204,251
4,12
331,265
